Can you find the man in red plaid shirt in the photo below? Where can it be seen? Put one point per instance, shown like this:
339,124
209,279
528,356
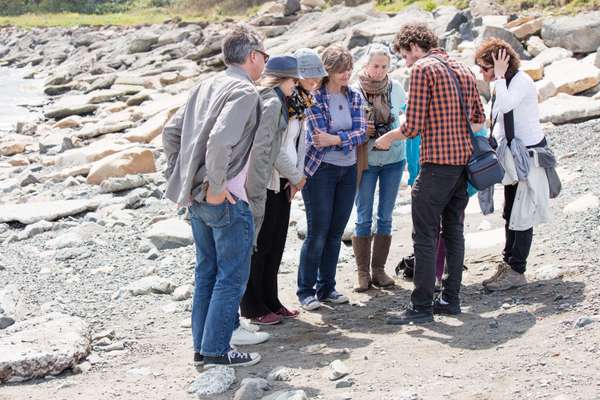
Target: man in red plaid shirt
440,192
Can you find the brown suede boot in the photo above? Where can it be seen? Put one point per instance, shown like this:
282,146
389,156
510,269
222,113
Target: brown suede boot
381,249
362,253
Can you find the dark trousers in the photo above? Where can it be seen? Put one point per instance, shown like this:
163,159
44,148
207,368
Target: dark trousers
261,295
518,243
328,198
438,195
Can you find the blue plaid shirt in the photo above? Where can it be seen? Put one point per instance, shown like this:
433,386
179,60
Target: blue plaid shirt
319,117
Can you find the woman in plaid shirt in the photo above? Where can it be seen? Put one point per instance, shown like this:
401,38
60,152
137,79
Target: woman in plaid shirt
336,125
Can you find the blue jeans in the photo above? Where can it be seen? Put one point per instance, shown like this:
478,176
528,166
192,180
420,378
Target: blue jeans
389,177
328,196
223,235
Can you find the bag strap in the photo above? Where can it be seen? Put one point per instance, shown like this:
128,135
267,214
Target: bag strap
459,92
509,119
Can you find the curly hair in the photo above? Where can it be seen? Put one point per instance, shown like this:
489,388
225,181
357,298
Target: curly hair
491,47
417,33
336,59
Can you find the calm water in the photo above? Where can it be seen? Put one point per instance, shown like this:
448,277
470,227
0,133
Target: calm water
15,93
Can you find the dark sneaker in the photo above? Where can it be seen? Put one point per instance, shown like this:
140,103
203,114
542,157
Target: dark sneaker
411,316
440,308
198,358
233,359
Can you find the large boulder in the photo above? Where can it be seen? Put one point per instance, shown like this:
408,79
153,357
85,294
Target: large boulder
506,35
579,33
42,346
551,55
525,27
448,19
142,43
545,89
170,234
480,8
533,69
29,213
130,161
11,148
535,45
94,152
566,108
291,6
70,105
150,129
572,76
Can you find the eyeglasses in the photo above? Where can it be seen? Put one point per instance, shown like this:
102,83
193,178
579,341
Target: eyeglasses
485,68
264,54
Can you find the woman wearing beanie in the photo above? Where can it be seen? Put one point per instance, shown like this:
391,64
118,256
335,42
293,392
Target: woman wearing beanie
336,127
384,98
278,173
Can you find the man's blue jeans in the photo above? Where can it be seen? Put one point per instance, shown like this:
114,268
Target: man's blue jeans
328,199
389,177
223,235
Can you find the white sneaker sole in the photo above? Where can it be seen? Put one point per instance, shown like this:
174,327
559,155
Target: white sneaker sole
246,364
311,306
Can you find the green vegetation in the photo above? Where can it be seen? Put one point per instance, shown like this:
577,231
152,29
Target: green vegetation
553,6
32,13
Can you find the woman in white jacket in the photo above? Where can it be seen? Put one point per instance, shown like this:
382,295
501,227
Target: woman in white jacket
515,126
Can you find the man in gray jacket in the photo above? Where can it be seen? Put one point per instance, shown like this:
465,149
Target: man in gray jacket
207,144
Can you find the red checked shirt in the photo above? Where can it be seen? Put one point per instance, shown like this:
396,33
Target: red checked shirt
435,113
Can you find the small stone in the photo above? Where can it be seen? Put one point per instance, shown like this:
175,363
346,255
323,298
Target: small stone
287,395
493,324
109,333
103,342
111,347
82,368
344,383
252,389
186,323
5,322
583,321
151,284
153,254
280,374
183,292
337,370
214,381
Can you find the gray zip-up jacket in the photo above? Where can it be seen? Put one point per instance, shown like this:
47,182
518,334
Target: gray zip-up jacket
265,150
208,140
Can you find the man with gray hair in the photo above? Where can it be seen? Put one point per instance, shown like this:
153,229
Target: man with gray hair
207,144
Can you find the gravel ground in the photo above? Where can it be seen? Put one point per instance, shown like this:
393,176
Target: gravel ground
518,344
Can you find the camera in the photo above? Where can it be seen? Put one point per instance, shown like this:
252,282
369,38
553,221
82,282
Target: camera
381,129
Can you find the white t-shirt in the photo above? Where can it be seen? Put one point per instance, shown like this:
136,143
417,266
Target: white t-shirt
521,98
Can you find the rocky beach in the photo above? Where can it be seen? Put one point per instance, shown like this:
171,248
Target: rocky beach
97,269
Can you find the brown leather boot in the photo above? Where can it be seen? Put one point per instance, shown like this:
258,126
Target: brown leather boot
381,249
362,253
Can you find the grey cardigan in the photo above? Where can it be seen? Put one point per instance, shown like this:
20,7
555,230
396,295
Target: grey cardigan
208,140
265,149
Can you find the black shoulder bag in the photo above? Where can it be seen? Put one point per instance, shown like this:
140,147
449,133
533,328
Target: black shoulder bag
484,169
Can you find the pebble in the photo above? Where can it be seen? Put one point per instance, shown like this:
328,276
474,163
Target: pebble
344,383
216,380
337,370
583,321
280,374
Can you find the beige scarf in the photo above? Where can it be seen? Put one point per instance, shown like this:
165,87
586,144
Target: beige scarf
377,93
